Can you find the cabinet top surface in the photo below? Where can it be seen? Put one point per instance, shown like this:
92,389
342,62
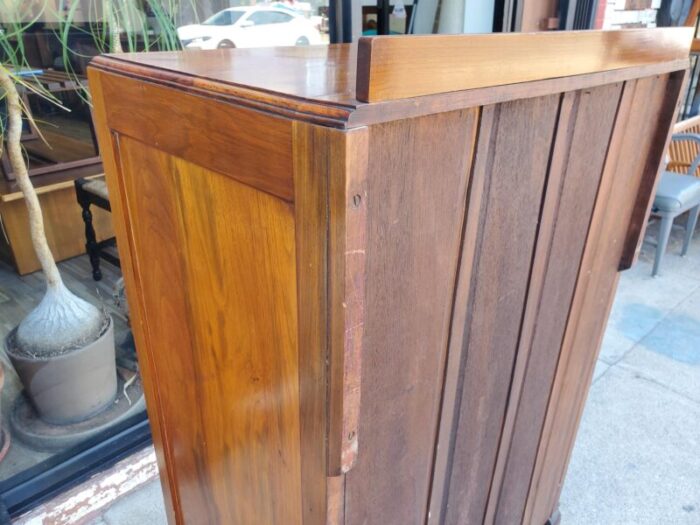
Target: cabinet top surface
383,78
325,73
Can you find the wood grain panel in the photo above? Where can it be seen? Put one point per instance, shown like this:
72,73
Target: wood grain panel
641,112
390,68
580,147
251,147
218,279
515,158
416,189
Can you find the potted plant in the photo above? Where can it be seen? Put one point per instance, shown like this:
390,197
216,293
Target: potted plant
64,351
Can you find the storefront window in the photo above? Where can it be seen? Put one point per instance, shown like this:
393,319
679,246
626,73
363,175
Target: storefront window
65,411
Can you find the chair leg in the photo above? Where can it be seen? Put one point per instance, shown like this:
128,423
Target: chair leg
91,245
664,234
690,228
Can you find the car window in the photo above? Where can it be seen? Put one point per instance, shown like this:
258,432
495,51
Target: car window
269,17
223,18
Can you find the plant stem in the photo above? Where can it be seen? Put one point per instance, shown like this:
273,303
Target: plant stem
115,43
19,168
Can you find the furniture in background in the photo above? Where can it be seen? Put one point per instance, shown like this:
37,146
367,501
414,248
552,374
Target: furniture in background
94,192
344,311
62,222
677,194
61,151
682,153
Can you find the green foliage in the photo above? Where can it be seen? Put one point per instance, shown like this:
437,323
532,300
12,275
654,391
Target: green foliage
112,26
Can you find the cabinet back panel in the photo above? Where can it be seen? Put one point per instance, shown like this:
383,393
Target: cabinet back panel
216,263
512,161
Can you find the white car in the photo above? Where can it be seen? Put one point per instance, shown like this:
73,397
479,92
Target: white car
262,26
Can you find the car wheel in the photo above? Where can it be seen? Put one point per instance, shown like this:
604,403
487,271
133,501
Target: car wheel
302,41
225,44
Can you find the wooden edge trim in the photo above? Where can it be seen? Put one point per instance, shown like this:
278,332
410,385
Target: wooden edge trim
109,147
310,168
363,77
392,68
376,113
315,112
347,255
652,168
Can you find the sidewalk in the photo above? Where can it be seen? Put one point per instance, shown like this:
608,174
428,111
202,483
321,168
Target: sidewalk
637,456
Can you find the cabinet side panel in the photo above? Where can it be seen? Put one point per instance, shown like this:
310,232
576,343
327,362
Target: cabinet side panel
647,105
218,278
123,231
416,193
515,156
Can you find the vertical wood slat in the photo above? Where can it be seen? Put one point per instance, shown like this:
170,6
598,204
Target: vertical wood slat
470,232
641,112
583,134
649,164
516,171
416,190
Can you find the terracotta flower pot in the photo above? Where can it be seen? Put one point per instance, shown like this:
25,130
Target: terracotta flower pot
73,386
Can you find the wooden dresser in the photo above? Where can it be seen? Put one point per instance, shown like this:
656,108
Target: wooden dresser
369,283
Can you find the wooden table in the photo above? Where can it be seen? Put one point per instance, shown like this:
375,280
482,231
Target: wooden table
368,283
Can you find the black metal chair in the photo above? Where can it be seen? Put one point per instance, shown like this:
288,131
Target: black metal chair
94,192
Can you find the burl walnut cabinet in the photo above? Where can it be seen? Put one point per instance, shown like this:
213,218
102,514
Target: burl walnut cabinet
368,283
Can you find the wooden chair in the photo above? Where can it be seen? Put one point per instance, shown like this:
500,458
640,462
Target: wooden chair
94,192
369,283
682,153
